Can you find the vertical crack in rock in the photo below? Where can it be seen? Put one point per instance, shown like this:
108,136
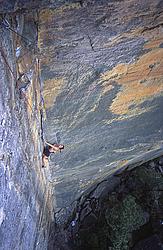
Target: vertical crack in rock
91,43
103,96
26,209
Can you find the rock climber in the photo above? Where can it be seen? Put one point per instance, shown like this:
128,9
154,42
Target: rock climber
48,149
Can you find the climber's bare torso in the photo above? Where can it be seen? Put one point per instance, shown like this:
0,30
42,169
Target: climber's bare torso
49,149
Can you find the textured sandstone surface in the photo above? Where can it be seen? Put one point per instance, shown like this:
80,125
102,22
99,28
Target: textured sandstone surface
101,75
25,195
102,64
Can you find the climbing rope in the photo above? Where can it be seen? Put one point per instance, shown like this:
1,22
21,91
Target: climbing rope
7,26
4,23
4,57
26,100
24,95
12,73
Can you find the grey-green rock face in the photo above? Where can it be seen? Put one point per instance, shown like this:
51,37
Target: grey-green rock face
102,71
101,67
25,207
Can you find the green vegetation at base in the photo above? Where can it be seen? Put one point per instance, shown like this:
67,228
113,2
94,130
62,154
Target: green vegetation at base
122,220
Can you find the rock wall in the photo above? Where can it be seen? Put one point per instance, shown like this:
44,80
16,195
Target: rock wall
122,212
102,64
25,204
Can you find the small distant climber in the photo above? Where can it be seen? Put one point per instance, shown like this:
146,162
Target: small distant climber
50,148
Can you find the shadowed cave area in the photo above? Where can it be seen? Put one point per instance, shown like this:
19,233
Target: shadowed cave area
87,75
122,212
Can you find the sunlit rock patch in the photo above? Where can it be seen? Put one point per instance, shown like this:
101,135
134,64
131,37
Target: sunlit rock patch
25,196
139,82
101,63
51,90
